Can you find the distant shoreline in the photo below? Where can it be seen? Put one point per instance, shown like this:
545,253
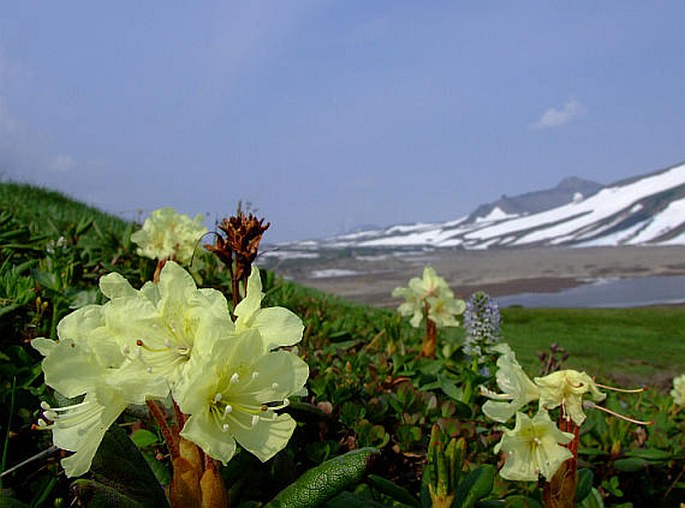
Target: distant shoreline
371,278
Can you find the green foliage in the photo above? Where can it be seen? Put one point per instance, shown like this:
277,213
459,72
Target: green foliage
119,470
324,482
369,388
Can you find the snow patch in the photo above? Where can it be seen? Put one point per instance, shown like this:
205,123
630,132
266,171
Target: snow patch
332,272
284,254
496,214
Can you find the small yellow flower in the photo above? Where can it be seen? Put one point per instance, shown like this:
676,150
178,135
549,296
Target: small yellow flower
277,326
431,284
678,391
566,388
167,234
533,448
442,310
518,390
429,296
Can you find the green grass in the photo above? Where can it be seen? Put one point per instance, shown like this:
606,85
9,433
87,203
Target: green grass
44,211
644,345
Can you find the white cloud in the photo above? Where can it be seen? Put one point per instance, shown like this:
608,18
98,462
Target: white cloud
552,117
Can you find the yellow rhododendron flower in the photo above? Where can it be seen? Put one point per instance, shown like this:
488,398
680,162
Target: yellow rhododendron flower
566,388
518,390
172,338
84,362
533,448
430,284
678,391
166,324
429,296
413,305
234,395
277,326
442,310
168,234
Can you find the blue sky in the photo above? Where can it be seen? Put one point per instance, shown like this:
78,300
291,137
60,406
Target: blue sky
326,114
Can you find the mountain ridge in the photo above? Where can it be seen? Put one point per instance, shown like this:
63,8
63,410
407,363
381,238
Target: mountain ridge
540,200
647,209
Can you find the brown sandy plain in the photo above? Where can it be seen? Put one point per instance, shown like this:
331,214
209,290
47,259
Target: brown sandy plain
371,277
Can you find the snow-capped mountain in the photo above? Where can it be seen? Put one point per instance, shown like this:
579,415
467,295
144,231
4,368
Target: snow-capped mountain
539,201
649,209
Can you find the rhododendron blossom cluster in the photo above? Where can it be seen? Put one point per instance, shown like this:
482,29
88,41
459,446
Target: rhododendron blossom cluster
170,338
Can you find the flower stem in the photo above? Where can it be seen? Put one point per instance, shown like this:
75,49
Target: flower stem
158,269
171,440
430,341
560,491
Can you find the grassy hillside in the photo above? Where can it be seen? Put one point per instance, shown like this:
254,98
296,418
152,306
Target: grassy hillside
367,388
45,211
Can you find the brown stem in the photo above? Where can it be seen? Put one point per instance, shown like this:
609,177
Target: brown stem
560,491
430,341
235,293
180,416
171,440
158,269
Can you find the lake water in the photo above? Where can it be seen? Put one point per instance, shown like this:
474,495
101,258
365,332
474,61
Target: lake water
607,293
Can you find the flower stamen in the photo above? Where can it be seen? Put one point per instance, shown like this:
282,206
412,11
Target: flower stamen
592,405
623,390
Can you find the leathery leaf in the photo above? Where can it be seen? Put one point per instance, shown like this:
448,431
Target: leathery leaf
324,482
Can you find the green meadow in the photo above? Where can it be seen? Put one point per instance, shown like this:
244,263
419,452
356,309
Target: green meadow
643,345
368,388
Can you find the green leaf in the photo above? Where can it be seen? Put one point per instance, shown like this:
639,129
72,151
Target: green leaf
594,500
520,502
448,386
630,465
143,438
159,468
592,452
93,494
304,411
394,491
612,486
651,454
583,484
351,500
119,465
9,308
324,482
463,410
348,344
477,484
46,279
340,336
424,492
10,502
